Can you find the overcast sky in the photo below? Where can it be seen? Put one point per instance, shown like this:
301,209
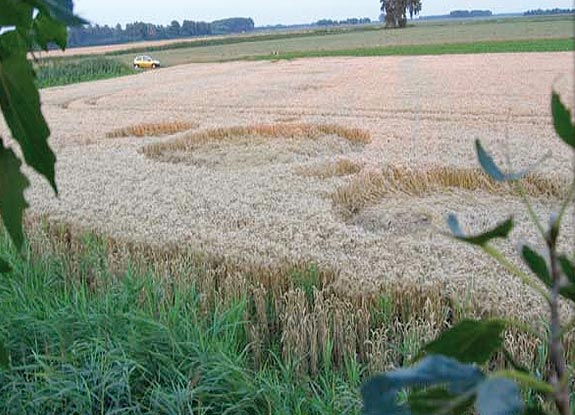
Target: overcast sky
266,12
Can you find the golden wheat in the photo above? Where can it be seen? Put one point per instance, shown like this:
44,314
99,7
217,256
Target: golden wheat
278,131
326,326
368,189
153,129
268,215
338,168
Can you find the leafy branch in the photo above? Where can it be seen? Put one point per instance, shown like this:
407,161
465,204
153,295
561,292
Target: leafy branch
26,25
449,379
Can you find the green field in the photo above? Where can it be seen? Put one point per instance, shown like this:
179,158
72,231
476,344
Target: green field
511,46
422,34
536,34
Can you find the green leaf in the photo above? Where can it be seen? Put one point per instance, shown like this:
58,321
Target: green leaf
568,268
12,202
534,409
380,393
4,267
537,265
500,231
499,396
20,103
562,120
60,10
569,271
4,357
489,166
15,13
511,361
431,401
48,30
469,341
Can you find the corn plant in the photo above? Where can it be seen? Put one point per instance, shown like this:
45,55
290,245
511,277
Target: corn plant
448,378
57,72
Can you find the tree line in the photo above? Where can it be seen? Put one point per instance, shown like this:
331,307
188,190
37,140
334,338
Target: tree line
351,21
92,35
541,12
459,14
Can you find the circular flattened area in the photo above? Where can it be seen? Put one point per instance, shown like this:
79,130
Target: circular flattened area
399,200
259,145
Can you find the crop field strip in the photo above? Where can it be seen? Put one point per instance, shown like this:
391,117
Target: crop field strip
293,306
424,38
422,32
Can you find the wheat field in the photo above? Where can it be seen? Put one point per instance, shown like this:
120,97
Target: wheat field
283,149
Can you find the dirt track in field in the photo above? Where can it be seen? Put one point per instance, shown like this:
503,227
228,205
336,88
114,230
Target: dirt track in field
247,198
99,50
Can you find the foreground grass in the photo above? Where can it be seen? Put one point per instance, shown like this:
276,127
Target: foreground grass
132,344
94,325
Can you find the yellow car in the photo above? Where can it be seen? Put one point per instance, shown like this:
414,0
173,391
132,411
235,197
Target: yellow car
145,62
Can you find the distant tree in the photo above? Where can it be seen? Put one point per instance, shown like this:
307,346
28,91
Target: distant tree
233,25
326,22
459,14
473,13
188,28
89,35
350,21
481,13
174,29
541,12
395,11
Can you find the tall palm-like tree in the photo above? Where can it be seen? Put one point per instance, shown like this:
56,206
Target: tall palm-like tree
396,11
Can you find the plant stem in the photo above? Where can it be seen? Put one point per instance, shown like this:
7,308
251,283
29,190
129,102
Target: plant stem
567,201
512,268
526,380
568,327
556,349
530,210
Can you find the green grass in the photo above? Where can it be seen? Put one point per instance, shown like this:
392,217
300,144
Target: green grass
537,34
540,45
65,71
56,72
238,39
421,34
134,344
419,31
90,329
